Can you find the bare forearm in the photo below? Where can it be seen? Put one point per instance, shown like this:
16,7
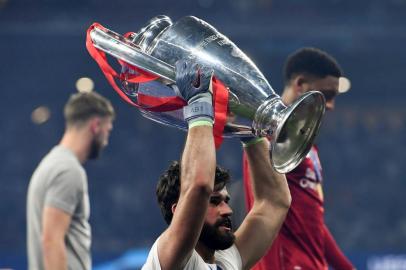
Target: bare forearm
54,253
55,223
271,203
199,159
197,178
267,184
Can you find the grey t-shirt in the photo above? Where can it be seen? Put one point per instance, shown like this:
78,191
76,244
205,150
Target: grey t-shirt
61,182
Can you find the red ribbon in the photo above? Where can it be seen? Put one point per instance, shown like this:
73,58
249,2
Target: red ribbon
220,95
154,103
151,103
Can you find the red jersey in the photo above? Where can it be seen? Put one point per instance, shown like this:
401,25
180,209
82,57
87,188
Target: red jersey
300,243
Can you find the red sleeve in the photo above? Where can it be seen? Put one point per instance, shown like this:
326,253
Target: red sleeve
335,257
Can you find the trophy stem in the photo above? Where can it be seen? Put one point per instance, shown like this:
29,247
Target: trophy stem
267,117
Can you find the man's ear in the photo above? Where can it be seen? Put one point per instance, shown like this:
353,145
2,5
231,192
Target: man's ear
95,124
173,208
299,84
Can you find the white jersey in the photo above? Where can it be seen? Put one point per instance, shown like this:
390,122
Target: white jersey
228,259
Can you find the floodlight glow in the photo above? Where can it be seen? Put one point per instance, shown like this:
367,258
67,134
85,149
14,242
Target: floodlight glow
85,85
40,115
344,84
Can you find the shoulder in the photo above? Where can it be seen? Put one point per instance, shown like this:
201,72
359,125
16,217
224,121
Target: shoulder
229,258
56,164
60,158
152,262
63,163
60,170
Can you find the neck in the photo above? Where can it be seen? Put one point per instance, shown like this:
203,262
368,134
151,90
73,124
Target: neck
288,95
78,141
204,252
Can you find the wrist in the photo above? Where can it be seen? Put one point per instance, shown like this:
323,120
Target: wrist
252,141
202,121
201,97
199,109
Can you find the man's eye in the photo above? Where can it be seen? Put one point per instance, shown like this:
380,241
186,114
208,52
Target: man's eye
215,201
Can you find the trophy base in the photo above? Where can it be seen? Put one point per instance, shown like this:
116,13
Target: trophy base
296,131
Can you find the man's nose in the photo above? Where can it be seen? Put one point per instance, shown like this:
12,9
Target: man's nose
226,209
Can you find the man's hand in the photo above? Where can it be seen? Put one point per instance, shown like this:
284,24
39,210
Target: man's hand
192,79
194,84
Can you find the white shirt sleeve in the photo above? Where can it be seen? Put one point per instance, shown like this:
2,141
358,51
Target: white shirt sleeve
152,262
228,259
195,261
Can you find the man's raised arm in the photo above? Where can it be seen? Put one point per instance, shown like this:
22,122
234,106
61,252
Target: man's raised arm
271,204
198,165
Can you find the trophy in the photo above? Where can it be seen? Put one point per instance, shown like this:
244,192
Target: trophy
253,107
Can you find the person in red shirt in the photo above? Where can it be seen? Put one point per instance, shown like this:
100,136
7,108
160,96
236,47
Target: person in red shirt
304,241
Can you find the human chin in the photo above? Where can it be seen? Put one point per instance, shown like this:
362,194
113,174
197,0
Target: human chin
226,237
217,236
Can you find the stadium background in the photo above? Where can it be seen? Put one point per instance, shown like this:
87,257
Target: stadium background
362,143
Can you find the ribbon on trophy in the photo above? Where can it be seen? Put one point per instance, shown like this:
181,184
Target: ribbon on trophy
155,103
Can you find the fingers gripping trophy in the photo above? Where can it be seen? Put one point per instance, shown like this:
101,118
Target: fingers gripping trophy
251,107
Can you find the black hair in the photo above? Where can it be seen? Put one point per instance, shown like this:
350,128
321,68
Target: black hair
311,61
168,188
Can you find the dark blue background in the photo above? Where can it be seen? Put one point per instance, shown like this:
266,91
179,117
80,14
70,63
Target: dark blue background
362,143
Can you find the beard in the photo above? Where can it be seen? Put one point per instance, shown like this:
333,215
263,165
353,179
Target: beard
215,239
95,148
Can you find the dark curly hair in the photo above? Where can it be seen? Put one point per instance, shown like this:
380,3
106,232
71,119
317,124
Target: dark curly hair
168,188
311,61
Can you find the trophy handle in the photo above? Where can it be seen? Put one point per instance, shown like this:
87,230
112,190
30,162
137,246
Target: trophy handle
122,48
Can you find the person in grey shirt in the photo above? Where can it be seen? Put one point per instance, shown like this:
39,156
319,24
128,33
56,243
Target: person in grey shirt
58,230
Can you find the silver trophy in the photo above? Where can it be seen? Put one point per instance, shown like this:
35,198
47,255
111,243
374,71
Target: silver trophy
254,107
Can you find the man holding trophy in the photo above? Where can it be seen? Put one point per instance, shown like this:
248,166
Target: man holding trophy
194,199
240,103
